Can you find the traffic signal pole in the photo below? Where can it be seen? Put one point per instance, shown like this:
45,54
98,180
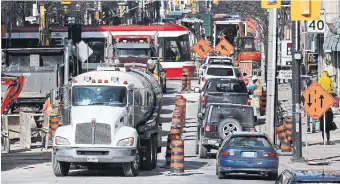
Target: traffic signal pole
296,93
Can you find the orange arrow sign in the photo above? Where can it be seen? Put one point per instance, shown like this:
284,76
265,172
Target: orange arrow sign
317,100
224,47
201,48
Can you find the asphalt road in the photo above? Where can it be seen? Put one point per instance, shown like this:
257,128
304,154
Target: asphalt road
198,170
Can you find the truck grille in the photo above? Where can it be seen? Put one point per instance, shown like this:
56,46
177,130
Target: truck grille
102,133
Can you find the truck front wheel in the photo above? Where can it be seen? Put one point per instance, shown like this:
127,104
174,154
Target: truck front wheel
131,169
60,168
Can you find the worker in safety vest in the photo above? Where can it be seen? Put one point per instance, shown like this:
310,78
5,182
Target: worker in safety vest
256,92
326,82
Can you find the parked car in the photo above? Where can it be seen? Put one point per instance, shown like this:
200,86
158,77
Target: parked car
222,90
219,120
247,152
290,176
223,60
219,71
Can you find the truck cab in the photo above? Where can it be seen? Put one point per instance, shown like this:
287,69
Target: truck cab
109,111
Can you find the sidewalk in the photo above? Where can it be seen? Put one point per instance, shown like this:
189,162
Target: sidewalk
316,151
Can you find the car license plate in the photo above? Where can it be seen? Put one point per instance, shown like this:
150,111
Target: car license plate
92,159
248,154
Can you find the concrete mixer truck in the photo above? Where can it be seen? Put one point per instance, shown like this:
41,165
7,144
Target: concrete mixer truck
114,116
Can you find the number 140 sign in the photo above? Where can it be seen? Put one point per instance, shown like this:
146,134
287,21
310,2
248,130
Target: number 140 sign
317,26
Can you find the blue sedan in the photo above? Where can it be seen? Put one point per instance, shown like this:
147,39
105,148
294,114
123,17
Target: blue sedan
247,152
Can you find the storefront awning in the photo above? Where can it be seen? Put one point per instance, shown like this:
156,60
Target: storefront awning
332,39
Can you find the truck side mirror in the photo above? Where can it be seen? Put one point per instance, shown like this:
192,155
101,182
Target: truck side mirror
196,90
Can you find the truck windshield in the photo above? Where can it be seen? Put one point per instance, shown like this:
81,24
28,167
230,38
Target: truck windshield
133,52
99,95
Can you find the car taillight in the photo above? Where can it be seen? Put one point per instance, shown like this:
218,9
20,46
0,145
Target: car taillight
266,154
248,101
252,130
207,128
225,153
204,100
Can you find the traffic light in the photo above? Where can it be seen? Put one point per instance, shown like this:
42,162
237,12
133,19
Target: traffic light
312,63
305,10
270,4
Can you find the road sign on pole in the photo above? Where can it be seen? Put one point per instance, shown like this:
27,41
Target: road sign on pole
84,51
317,100
201,48
224,47
317,26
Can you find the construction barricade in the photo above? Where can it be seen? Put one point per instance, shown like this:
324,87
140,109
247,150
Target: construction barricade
263,102
175,145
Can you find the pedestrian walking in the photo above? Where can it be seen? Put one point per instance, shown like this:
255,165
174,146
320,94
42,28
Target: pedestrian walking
330,125
326,82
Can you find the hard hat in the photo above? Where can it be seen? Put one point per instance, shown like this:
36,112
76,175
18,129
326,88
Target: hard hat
254,77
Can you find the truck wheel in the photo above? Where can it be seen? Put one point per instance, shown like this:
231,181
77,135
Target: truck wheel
148,154
227,126
60,168
202,151
131,169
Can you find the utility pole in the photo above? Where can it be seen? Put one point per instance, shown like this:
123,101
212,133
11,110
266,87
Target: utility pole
271,73
296,91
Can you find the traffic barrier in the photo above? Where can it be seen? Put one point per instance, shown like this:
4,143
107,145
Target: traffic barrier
280,132
188,83
184,82
263,105
177,157
189,70
55,122
177,118
178,97
175,130
289,128
286,146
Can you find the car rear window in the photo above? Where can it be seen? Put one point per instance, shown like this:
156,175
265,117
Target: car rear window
248,142
227,86
220,71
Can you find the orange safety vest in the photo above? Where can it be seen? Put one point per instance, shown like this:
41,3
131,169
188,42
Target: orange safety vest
258,91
